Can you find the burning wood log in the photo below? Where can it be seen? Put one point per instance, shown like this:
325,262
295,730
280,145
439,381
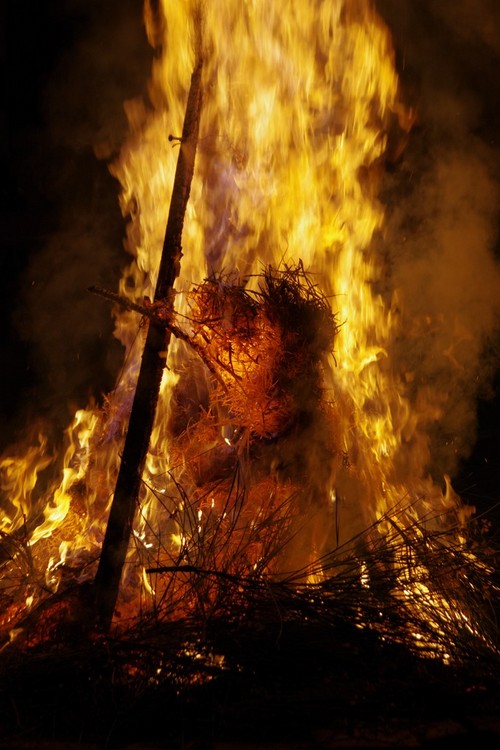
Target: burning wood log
160,314
128,483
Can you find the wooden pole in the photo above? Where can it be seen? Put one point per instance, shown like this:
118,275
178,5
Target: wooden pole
125,500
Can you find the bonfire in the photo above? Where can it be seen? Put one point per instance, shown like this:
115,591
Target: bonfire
261,466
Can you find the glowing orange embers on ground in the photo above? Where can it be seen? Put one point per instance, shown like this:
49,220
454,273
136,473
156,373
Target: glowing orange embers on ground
283,428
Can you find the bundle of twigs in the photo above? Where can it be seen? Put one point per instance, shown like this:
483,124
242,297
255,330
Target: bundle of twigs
424,590
224,638
264,345
229,512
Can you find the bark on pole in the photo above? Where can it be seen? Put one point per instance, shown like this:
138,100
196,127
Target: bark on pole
128,484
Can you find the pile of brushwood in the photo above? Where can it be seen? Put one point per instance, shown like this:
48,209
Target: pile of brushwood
355,658
256,631
265,347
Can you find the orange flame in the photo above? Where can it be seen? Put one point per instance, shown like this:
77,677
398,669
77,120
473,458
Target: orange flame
297,104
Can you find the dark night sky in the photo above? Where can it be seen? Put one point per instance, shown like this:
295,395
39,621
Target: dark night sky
67,66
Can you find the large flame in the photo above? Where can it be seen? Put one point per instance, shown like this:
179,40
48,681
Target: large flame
298,98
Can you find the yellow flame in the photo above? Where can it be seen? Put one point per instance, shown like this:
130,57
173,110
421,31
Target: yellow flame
297,99
18,479
295,109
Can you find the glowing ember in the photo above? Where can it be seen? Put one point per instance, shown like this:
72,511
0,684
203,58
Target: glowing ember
294,439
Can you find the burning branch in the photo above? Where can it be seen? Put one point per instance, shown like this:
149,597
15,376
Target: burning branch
160,315
136,446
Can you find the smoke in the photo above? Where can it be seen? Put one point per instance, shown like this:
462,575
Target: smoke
472,21
94,57
442,213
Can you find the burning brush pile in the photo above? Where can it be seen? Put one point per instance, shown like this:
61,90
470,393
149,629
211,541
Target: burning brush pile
242,566
245,530
242,581
264,498
241,449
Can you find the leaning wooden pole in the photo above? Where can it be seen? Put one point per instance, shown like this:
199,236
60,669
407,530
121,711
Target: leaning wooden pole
125,500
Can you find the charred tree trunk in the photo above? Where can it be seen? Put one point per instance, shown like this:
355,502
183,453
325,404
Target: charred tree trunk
142,416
